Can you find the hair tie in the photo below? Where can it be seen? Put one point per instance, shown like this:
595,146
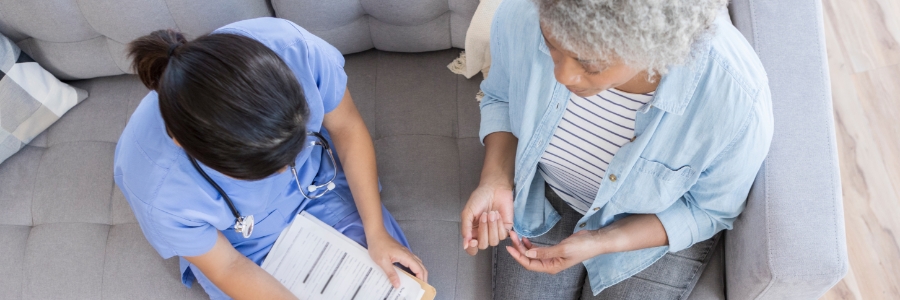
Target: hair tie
172,48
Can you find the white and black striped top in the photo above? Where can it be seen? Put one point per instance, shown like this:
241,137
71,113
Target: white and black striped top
588,136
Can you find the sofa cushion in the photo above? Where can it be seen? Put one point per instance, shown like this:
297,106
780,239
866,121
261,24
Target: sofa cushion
87,38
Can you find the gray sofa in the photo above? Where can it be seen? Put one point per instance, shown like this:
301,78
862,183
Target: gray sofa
67,232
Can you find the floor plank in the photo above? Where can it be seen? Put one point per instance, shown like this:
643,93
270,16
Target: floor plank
879,94
866,111
869,31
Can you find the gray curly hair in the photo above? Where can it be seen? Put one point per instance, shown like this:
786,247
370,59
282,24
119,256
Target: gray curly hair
643,34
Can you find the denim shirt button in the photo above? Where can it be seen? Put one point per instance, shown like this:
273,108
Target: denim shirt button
633,138
596,208
582,225
612,177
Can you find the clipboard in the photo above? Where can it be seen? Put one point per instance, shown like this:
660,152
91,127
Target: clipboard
308,254
430,291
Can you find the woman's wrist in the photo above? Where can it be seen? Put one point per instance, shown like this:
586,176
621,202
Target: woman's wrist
496,178
602,241
496,183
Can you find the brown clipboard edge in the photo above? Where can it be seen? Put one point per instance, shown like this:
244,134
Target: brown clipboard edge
430,292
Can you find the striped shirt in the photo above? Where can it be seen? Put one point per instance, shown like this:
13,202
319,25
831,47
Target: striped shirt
590,133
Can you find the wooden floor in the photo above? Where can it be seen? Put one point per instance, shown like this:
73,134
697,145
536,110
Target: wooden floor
863,43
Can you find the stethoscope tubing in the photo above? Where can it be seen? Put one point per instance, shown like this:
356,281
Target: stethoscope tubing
247,229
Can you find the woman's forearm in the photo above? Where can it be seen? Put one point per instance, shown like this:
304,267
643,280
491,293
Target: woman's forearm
499,159
633,232
357,152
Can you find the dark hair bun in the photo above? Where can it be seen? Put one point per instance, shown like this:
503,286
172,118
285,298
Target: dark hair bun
229,100
151,53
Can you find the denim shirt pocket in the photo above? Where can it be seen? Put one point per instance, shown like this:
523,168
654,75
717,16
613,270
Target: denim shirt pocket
652,187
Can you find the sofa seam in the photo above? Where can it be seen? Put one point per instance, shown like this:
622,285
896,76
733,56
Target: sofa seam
171,16
24,259
81,12
106,38
421,134
111,56
829,134
105,250
34,182
415,25
112,192
374,88
769,251
450,42
75,142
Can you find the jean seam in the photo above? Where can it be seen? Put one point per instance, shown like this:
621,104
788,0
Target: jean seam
698,269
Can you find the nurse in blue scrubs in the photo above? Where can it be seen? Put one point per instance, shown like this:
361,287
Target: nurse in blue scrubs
243,129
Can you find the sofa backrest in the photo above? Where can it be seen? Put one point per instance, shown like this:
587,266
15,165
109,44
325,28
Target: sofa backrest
80,39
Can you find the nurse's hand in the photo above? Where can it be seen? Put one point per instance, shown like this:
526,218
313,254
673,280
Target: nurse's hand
386,251
487,218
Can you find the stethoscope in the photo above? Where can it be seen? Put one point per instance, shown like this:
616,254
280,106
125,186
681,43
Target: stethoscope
244,224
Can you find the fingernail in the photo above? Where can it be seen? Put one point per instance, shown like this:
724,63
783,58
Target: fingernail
484,218
493,216
531,253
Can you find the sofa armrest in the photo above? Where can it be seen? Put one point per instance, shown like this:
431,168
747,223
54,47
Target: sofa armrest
790,243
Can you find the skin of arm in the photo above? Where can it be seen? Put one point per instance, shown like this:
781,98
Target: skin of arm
630,233
236,275
499,159
488,215
355,148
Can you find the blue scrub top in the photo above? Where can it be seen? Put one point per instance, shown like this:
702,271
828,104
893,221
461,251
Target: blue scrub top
180,213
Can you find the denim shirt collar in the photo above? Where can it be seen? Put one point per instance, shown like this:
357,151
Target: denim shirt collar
543,44
677,87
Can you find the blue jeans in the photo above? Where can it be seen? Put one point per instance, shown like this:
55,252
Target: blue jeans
672,277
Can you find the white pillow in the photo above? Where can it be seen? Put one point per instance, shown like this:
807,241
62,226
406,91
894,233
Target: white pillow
31,99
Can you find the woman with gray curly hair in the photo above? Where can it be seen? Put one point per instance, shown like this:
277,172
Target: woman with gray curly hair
620,138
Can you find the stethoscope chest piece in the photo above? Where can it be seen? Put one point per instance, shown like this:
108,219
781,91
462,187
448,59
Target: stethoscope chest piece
244,225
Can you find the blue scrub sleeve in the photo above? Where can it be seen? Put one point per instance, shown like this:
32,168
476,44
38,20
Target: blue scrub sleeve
172,236
327,65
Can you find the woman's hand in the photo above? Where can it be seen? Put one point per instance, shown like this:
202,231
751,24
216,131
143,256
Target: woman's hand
573,250
386,251
487,217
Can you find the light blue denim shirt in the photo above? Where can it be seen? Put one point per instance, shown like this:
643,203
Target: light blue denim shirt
699,143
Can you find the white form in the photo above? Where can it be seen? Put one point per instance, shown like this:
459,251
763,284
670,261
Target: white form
315,261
